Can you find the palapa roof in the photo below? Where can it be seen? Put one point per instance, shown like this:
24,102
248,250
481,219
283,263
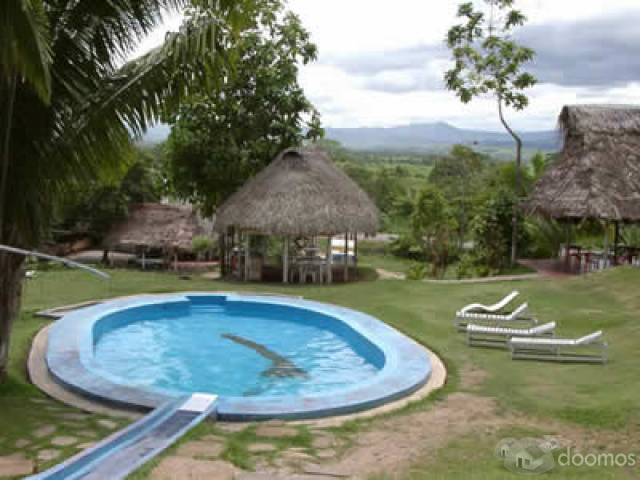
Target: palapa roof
598,173
157,225
301,193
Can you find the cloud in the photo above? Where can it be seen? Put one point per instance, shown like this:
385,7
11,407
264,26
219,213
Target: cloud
597,52
592,53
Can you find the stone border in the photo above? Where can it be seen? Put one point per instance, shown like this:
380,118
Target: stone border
406,365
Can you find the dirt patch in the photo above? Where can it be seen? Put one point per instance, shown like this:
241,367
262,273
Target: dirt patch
15,465
394,444
472,377
387,275
172,468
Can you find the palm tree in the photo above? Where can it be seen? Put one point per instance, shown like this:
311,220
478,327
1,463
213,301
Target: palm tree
70,103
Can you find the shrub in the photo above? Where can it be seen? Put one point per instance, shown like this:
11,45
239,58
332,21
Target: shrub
492,229
202,245
406,246
417,271
433,224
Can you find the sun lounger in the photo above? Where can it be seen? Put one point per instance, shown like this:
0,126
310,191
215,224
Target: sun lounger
517,318
498,337
590,348
495,308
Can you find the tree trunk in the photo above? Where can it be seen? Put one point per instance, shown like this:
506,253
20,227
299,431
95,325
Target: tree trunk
10,294
6,142
518,186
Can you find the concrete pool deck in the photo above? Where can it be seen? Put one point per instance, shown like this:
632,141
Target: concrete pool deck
397,384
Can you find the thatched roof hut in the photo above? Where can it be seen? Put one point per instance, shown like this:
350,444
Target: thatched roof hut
301,193
158,226
598,174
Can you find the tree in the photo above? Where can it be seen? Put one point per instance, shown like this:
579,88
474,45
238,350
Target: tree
433,225
492,231
488,61
221,139
94,207
70,101
459,177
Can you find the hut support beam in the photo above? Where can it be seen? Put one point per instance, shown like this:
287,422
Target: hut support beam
607,227
329,261
285,261
247,258
567,258
616,242
355,248
346,257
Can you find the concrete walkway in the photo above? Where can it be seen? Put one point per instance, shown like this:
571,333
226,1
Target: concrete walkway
387,275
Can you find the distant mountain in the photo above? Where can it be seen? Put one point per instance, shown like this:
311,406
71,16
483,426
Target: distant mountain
425,137
439,136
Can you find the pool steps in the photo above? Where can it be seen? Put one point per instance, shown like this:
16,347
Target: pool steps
118,455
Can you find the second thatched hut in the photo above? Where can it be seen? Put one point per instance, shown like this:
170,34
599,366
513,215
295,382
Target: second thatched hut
598,173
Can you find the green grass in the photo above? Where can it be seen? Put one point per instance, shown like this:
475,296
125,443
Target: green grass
596,397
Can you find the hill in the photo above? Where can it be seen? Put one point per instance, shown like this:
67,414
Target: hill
420,138
437,137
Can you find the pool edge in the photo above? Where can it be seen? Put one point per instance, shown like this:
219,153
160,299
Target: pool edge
235,412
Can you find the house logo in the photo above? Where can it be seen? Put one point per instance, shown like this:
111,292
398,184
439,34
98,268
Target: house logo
532,456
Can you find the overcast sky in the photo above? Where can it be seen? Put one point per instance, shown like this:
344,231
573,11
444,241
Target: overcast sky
381,63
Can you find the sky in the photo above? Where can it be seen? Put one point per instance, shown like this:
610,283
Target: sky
381,63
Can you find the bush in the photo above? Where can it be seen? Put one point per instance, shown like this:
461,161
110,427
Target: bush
492,228
433,223
466,267
545,236
417,271
406,246
202,245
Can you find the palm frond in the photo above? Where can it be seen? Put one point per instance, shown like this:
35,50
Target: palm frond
95,111
24,44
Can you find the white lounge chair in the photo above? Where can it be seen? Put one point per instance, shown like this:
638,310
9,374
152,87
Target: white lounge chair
495,308
516,318
498,337
591,349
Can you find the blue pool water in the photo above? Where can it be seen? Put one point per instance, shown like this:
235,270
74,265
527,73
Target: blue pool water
244,350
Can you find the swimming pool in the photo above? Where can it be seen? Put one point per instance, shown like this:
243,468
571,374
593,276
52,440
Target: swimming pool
265,356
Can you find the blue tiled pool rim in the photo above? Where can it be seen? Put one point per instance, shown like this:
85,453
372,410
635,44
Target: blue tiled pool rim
406,365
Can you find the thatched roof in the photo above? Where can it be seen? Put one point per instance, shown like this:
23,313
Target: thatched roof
157,225
598,173
300,193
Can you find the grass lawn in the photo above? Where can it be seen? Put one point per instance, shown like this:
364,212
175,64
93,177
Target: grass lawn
600,398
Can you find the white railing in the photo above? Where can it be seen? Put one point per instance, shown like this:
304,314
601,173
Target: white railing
53,258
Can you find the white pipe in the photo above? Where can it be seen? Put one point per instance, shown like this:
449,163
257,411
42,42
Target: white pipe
64,261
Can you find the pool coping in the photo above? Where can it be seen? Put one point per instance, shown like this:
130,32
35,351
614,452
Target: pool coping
407,367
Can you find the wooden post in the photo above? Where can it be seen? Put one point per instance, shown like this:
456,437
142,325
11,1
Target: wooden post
616,241
606,244
346,257
329,260
285,261
247,258
567,259
222,254
175,259
355,255
355,248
